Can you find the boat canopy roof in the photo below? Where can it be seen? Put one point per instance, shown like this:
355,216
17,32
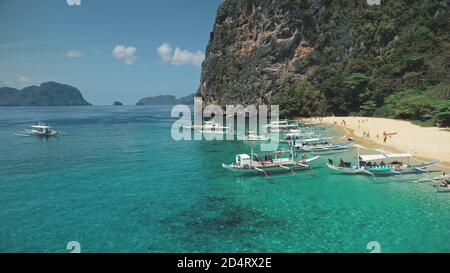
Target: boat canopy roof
315,139
311,140
383,156
40,126
243,156
279,122
398,155
372,157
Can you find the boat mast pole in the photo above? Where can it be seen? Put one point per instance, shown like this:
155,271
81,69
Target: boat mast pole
251,157
358,157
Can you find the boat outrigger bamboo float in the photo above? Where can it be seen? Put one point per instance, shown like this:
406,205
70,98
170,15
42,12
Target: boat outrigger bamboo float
253,164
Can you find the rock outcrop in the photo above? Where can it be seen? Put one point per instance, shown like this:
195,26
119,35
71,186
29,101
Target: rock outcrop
158,100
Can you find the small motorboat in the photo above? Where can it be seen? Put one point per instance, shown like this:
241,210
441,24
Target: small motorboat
40,129
443,188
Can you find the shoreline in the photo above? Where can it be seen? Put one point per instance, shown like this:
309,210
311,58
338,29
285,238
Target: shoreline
419,141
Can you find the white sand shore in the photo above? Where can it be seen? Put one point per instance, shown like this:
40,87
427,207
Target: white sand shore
423,142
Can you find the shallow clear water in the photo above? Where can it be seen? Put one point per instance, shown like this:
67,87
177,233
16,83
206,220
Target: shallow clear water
117,182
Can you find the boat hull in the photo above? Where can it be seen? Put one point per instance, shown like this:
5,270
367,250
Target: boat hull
385,170
268,169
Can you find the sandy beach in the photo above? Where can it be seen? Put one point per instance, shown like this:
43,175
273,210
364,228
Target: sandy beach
425,143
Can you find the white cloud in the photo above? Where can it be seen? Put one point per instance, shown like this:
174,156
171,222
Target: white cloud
22,82
186,57
124,54
74,54
4,83
73,2
165,52
25,80
179,56
12,44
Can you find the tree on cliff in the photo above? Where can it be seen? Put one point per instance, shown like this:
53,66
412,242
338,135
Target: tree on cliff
301,99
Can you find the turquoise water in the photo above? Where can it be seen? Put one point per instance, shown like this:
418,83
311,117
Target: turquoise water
117,182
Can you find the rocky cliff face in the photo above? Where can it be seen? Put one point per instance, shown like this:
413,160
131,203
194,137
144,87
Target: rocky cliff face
259,47
256,48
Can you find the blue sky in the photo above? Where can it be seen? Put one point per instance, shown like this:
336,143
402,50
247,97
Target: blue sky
106,48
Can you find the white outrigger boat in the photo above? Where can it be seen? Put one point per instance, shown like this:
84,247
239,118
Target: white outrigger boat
252,164
40,129
210,125
253,136
376,165
193,126
321,145
279,126
441,182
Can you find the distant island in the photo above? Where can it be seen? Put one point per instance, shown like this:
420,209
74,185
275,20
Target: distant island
117,103
166,100
47,94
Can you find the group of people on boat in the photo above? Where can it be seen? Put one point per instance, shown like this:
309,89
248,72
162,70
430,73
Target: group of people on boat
294,137
345,164
374,164
342,163
267,159
381,164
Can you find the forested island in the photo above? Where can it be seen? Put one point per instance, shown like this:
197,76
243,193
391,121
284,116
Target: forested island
47,94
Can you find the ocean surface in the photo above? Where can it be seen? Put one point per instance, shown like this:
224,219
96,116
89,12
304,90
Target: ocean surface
117,182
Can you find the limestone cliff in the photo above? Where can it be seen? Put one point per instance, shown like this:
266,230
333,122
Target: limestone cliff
345,48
